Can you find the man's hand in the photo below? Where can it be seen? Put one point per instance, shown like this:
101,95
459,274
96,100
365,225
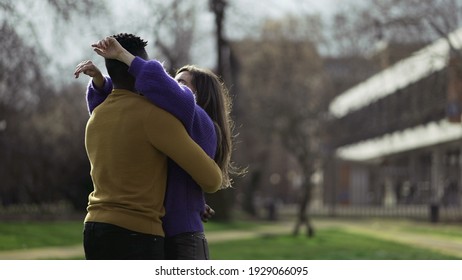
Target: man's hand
88,68
207,214
110,48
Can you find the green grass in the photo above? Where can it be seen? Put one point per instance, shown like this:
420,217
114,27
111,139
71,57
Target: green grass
26,235
444,231
241,225
329,244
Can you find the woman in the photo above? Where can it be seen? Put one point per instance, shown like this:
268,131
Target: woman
184,200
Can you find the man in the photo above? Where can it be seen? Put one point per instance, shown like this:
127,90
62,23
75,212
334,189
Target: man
128,140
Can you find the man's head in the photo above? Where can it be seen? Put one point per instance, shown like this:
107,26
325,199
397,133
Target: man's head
118,71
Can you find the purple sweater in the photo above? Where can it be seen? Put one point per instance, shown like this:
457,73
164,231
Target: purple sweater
184,199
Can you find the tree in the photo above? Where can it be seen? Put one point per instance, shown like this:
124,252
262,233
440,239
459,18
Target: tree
41,133
422,21
407,21
415,20
282,92
173,26
218,8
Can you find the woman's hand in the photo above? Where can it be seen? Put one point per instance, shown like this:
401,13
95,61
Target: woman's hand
88,68
110,48
207,214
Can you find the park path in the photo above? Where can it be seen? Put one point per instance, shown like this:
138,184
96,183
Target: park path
387,230
398,231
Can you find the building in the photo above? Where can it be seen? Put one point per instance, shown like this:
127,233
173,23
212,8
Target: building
397,136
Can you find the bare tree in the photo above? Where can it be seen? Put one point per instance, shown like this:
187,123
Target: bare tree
418,19
173,25
399,21
283,82
41,134
218,8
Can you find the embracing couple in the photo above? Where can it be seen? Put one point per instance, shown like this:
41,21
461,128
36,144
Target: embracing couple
155,145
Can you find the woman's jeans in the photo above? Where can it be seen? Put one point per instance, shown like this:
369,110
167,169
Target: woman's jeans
187,246
104,241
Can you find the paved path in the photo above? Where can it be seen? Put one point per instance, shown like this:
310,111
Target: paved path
387,230
394,231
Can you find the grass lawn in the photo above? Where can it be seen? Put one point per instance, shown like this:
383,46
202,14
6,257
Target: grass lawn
237,225
26,235
329,244
441,230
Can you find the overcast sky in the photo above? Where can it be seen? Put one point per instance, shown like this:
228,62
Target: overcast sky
74,40
240,14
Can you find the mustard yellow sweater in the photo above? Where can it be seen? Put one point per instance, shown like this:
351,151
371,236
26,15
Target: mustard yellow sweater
128,140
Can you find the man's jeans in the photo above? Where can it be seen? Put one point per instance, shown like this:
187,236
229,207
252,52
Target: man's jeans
187,246
103,241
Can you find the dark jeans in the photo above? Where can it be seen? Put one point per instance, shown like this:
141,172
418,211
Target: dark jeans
187,246
103,241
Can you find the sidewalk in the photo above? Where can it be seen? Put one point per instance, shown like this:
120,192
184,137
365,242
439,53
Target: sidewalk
387,230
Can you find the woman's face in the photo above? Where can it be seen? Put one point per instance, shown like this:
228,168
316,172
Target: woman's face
185,78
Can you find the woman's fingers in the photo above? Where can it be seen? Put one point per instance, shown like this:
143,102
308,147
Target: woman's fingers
86,67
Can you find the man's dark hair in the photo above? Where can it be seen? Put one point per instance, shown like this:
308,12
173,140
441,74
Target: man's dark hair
118,71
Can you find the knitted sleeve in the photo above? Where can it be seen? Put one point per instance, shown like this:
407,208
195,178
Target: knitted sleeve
175,142
97,96
161,89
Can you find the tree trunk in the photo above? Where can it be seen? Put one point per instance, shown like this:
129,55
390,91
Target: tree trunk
249,194
221,201
303,217
218,7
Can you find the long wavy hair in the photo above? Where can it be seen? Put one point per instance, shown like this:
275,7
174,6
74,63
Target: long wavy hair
213,96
